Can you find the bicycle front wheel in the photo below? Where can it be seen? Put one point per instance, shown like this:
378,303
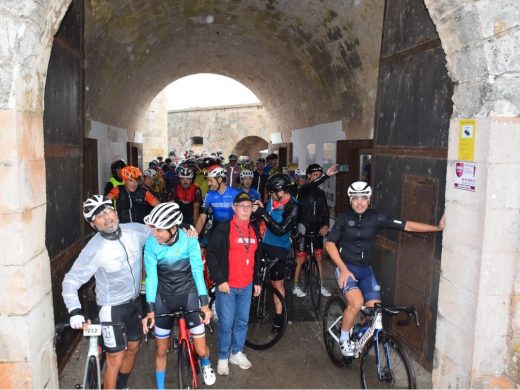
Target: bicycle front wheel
92,374
332,318
385,365
260,333
314,281
186,370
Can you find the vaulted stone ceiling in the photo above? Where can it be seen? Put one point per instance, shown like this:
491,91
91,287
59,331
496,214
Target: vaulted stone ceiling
308,61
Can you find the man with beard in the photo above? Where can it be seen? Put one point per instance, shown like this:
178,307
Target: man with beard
187,195
114,257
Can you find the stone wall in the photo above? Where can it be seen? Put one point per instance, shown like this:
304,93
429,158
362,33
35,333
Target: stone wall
220,127
154,128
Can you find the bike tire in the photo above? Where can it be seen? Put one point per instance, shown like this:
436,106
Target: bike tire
399,374
314,282
92,378
332,316
186,371
261,315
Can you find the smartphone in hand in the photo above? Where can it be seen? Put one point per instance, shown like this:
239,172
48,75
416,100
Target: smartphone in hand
342,168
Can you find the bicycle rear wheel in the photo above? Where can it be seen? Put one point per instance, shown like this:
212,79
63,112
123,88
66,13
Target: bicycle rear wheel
261,316
92,375
332,317
314,282
396,369
186,370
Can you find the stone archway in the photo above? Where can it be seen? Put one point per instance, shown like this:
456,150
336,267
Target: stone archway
475,340
250,146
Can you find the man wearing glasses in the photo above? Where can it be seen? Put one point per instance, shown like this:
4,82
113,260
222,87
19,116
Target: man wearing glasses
113,256
354,232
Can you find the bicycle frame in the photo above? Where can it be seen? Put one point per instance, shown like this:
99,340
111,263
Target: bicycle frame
93,351
184,334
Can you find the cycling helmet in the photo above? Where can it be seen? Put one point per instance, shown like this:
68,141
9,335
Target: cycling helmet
186,173
207,162
118,164
300,172
359,188
164,216
149,172
130,172
314,168
246,173
93,205
278,182
216,171
233,157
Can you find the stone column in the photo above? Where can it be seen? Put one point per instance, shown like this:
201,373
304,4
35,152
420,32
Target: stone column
479,263
155,130
26,313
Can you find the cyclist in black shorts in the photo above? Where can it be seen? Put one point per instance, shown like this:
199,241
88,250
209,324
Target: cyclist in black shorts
174,280
280,216
113,256
354,232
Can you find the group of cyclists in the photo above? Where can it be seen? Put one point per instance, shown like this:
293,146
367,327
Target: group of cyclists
163,213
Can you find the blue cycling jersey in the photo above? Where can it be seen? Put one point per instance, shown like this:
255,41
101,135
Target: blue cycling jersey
220,204
252,193
175,269
283,241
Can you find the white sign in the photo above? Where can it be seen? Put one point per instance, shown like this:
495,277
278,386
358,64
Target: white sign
465,175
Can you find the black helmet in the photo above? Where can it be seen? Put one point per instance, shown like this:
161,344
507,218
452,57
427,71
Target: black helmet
118,164
208,161
233,157
278,182
314,168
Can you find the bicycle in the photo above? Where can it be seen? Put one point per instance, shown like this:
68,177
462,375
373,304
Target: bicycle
260,334
95,353
382,360
311,280
187,359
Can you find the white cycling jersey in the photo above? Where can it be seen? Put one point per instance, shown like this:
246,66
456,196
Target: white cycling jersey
116,265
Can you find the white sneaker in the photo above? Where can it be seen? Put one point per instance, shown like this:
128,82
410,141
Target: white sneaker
240,360
208,375
347,348
325,292
223,367
298,292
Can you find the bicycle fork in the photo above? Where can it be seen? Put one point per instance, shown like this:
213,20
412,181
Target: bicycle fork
93,350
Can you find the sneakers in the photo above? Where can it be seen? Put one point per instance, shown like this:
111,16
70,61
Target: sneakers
208,375
347,348
240,360
223,367
277,323
324,292
299,292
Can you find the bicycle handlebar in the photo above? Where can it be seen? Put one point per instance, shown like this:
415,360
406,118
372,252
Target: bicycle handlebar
179,314
60,328
393,310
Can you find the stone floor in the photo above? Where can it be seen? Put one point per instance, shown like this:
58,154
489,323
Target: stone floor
299,360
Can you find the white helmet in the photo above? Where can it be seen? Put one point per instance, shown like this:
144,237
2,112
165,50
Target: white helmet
359,188
186,173
246,173
164,216
216,171
94,204
300,172
149,172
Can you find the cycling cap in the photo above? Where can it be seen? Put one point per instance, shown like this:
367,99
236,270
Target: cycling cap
246,173
278,182
242,197
186,173
149,172
300,172
164,216
130,172
94,205
314,168
359,188
233,157
216,171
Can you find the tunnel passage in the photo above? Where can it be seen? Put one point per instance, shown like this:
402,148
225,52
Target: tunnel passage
307,65
250,146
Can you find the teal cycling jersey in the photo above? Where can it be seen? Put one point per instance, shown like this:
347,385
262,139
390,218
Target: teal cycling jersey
175,269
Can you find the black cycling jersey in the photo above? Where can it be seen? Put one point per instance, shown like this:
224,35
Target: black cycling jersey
355,234
314,208
131,206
